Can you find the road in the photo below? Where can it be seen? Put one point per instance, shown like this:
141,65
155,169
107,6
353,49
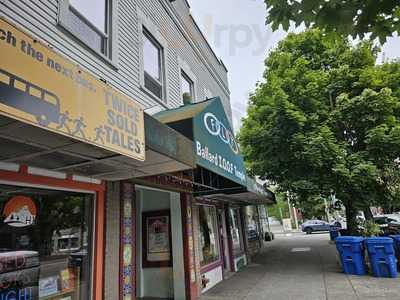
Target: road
301,267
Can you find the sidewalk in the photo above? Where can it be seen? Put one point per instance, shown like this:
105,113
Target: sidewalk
301,267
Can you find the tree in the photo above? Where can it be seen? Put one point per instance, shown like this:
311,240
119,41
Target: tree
280,210
354,18
325,120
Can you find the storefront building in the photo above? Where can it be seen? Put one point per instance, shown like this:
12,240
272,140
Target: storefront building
68,141
222,193
98,199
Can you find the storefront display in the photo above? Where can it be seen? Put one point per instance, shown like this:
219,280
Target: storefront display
208,235
45,243
235,228
253,228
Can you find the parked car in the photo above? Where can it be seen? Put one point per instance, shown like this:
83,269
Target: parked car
315,226
388,224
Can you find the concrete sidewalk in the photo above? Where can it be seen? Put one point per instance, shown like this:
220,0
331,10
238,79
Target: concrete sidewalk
301,267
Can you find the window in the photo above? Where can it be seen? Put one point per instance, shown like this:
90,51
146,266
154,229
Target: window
253,230
209,251
93,10
235,228
187,88
45,237
153,65
89,21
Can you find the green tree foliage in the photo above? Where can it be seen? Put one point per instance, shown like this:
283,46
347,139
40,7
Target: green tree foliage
325,120
357,18
280,209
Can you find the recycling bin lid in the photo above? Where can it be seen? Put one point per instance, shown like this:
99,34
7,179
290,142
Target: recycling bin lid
395,237
379,240
349,239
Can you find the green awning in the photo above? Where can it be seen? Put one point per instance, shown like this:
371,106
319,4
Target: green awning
208,126
216,150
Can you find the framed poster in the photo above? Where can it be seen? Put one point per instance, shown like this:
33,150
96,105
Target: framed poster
157,239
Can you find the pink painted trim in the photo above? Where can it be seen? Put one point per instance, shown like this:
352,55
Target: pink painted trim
211,267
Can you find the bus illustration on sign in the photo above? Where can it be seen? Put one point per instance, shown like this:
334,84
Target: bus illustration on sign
29,98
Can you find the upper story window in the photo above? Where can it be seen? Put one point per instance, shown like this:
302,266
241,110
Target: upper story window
187,88
153,65
89,21
94,11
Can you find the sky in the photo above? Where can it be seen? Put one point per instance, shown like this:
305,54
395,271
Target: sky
237,32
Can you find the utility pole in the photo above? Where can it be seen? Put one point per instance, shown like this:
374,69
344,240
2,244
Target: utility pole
295,218
290,208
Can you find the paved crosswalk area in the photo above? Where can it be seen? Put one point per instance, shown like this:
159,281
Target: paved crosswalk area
301,267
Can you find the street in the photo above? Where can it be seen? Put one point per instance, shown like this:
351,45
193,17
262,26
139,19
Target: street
301,266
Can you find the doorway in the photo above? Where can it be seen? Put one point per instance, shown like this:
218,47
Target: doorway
159,248
224,248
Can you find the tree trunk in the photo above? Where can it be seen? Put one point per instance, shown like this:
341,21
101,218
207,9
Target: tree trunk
368,214
351,219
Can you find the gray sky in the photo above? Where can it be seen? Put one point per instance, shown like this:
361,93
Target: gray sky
236,30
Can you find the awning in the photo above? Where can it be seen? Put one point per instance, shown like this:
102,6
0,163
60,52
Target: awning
56,116
220,171
166,151
207,125
253,194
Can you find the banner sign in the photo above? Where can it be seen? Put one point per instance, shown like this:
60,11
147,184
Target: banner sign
42,88
215,144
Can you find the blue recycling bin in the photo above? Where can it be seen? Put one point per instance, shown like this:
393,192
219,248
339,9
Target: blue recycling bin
382,256
334,233
351,250
396,244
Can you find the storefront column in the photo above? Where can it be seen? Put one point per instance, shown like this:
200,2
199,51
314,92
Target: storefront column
127,273
188,246
111,283
196,235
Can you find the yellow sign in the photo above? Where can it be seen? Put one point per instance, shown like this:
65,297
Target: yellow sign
42,88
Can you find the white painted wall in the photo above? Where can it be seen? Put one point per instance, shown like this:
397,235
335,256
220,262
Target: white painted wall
177,248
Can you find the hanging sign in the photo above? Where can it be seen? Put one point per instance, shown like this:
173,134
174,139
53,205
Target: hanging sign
20,211
42,88
215,145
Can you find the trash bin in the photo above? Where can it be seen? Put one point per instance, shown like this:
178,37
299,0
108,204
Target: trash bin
382,256
334,233
351,250
396,246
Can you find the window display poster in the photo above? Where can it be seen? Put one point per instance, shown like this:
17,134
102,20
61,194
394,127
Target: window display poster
158,234
157,242
48,286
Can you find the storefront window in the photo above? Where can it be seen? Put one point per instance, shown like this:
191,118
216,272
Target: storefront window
208,235
235,228
253,230
45,244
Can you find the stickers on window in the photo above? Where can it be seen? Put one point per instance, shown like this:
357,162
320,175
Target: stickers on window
20,211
